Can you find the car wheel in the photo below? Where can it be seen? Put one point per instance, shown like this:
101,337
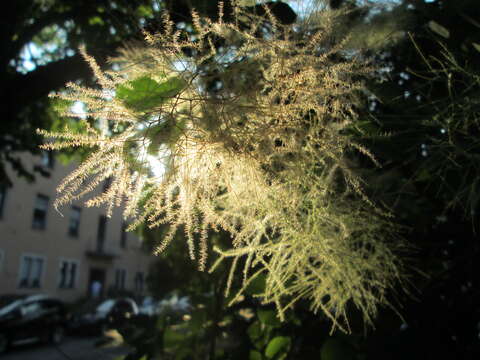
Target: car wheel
3,343
57,335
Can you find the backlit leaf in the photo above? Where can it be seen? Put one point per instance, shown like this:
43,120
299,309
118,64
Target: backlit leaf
268,317
438,29
257,285
276,345
144,93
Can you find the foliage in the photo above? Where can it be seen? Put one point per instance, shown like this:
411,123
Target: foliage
425,95
254,142
429,104
265,338
457,119
39,55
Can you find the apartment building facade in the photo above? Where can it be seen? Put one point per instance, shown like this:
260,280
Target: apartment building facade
67,254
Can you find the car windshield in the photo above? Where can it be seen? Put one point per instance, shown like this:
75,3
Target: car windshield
105,306
9,303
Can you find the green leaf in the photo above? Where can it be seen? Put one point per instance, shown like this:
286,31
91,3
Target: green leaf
144,93
476,46
259,334
268,317
254,331
276,345
96,20
257,286
144,11
255,355
438,29
337,349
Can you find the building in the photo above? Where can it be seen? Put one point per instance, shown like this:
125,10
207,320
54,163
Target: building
65,254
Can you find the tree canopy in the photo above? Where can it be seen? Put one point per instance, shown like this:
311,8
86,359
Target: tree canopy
40,41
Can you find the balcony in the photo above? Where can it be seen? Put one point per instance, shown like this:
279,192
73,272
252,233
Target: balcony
99,251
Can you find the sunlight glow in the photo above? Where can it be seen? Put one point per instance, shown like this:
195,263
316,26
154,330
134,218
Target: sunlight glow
154,162
79,108
156,166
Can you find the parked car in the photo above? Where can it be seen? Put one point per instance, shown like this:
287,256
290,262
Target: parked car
175,304
172,304
28,319
108,314
148,306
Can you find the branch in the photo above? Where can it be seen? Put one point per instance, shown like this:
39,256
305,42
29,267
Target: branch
20,91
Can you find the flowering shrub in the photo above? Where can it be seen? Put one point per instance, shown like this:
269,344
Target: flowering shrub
248,119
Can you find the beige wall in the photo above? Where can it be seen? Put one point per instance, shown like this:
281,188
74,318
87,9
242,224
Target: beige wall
18,238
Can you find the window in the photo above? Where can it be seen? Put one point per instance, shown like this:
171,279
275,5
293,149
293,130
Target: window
102,229
40,212
68,274
120,277
3,194
48,159
139,282
31,271
74,223
123,236
31,308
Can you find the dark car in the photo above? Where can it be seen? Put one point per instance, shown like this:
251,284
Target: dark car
97,318
27,319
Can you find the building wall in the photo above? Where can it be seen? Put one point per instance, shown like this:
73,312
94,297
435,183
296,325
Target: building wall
18,239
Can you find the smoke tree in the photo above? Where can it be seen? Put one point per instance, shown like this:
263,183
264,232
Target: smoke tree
242,124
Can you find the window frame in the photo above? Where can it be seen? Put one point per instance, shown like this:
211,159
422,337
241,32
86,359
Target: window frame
75,234
30,284
43,226
101,237
69,284
47,159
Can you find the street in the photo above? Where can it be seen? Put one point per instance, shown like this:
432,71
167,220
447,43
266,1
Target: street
72,348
